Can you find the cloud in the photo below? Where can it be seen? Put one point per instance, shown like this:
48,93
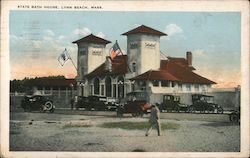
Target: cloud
50,33
82,31
172,29
101,35
198,52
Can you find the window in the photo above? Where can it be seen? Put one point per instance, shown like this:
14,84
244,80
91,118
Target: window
165,83
173,84
196,87
155,83
133,45
203,88
102,89
133,87
188,87
91,89
82,70
114,90
150,45
120,87
133,67
96,86
142,85
180,86
82,51
108,86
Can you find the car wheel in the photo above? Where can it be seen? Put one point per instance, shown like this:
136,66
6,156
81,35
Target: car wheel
177,109
52,110
191,109
220,110
48,105
134,114
233,118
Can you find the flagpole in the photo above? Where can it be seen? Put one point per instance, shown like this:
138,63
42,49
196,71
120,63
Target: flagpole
124,58
71,60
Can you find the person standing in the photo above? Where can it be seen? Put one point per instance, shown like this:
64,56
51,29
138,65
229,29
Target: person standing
154,121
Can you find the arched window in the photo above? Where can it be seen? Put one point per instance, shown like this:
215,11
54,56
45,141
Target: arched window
120,87
108,86
96,86
133,67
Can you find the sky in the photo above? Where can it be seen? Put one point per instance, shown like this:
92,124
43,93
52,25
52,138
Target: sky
37,38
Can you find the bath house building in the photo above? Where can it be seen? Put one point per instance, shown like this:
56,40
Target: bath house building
142,69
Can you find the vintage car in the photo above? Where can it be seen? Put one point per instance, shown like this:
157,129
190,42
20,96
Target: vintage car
136,108
234,115
135,104
38,102
92,103
204,103
171,103
81,102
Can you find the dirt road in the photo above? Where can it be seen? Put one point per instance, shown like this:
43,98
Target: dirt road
46,132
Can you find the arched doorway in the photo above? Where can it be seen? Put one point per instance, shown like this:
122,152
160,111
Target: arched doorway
120,87
108,86
96,86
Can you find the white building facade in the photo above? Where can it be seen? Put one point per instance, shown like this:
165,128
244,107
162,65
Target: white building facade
142,69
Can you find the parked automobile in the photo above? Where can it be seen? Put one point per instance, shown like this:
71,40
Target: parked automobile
137,108
111,104
171,103
204,103
234,115
92,103
37,102
135,104
82,102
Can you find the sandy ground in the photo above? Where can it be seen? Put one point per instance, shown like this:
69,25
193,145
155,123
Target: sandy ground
46,133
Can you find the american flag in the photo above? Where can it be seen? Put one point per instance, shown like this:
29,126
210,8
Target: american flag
115,50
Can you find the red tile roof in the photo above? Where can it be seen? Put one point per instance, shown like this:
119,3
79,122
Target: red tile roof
174,69
145,30
156,75
92,39
119,67
180,61
183,74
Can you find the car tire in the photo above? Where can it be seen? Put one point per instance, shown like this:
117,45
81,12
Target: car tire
52,110
233,117
48,105
220,110
134,114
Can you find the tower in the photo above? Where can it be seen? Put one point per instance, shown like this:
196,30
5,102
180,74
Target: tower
143,49
91,54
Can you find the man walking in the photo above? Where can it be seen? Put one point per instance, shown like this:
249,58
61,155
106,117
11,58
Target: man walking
154,120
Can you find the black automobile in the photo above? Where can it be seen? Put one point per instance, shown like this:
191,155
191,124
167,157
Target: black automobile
171,103
92,103
37,103
82,102
204,103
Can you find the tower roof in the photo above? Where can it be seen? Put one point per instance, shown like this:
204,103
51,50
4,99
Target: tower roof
92,39
145,30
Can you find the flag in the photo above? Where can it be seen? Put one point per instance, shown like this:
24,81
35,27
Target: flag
63,57
115,50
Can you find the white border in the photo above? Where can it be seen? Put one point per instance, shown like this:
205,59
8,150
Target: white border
140,5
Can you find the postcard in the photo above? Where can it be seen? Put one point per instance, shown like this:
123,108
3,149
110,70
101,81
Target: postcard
124,78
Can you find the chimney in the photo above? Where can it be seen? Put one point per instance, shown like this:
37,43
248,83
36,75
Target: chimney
189,58
108,64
